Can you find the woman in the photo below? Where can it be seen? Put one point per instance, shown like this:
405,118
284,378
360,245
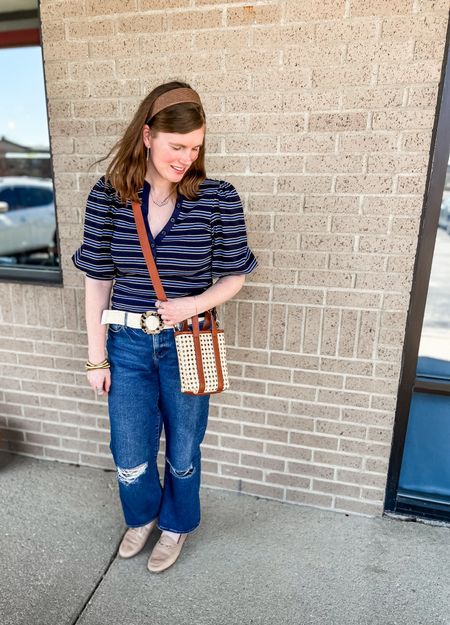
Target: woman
196,230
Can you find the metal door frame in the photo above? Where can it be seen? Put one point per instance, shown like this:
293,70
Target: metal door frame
437,168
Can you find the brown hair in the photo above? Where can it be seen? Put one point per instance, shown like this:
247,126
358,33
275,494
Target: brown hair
126,172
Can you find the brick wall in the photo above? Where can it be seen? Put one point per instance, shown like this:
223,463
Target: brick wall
321,115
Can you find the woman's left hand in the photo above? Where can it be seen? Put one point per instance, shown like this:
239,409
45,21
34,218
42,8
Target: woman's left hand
176,310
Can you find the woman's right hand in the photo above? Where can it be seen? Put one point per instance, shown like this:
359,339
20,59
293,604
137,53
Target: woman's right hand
100,380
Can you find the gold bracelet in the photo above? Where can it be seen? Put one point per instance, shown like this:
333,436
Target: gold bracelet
101,365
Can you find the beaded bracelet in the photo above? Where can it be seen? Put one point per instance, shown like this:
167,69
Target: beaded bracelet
101,365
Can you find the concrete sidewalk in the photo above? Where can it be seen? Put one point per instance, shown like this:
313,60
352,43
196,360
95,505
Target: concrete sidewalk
252,561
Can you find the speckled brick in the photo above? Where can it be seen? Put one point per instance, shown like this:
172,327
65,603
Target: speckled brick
379,7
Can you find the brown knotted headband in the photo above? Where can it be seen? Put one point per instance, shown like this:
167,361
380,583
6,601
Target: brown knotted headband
174,96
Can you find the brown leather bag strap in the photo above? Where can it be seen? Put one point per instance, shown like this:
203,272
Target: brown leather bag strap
161,295
198,355
151,265
215,341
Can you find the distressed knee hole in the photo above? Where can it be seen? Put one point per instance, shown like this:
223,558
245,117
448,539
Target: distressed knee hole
129,476
181,473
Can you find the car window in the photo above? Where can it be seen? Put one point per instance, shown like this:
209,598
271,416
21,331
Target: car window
27,197
8,195
47,196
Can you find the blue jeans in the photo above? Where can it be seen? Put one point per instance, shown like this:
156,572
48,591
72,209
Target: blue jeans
145,394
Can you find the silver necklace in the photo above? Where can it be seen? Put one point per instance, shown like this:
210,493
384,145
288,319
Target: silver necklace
163,202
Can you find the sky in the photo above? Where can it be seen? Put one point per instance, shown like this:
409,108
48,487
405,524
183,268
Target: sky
23,109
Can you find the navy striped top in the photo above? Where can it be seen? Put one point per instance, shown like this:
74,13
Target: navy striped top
204,239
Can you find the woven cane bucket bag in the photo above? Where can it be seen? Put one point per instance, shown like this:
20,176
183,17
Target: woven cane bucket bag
202,357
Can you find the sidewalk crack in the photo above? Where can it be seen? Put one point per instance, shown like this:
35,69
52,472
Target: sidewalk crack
94,590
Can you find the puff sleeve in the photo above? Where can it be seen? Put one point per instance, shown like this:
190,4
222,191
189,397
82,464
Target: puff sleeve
230,251
94,255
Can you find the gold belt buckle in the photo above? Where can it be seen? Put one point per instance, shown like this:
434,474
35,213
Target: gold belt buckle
151,322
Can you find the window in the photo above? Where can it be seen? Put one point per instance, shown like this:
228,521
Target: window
30,197
28,228
8,195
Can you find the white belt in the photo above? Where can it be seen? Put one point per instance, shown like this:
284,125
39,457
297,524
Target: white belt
150,322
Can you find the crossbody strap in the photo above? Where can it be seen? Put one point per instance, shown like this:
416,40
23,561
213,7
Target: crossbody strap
151,265
161,295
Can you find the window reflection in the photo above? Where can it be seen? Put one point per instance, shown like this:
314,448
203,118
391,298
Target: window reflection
27,207
434,351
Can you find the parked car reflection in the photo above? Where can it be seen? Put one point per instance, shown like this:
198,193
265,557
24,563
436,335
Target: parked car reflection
27,220
444,215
